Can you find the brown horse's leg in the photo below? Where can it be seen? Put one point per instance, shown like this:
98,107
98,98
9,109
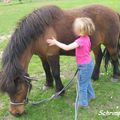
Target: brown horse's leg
49,78
55,67
98,58
114,60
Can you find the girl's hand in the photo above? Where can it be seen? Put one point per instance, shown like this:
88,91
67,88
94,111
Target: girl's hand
51,41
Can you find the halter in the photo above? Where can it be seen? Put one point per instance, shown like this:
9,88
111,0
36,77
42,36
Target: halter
25,101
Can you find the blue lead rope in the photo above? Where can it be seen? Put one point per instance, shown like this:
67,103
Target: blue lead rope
57,94
77,100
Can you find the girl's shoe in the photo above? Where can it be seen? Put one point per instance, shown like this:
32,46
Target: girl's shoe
91,99
83,107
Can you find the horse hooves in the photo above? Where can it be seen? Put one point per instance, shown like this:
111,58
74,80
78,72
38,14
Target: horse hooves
57,97
61,94
114,79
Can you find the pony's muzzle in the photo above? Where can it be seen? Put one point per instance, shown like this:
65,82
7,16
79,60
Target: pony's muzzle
17,110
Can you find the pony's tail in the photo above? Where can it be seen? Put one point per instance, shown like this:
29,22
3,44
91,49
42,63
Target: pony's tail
119,47
119,40
106,58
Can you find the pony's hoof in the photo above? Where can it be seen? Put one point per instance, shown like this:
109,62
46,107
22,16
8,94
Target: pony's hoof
61,94
57,97
114,79
45,88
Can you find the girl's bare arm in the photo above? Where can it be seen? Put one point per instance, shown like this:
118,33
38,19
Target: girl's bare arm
63,46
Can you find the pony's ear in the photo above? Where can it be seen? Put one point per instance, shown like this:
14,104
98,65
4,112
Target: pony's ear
6,85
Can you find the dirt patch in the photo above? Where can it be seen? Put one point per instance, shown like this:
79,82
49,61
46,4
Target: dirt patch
1,105
7,116
5,37
1,52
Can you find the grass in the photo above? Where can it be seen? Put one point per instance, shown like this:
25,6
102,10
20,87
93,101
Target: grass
107,93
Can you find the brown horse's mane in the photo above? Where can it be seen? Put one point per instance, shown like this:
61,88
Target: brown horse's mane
28,30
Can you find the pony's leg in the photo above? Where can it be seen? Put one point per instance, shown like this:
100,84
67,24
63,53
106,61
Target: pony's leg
55,67
114,60
49,78
98,58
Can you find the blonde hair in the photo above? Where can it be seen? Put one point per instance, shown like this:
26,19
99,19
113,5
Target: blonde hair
84,25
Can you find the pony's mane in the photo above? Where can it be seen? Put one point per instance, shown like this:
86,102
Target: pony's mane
27,31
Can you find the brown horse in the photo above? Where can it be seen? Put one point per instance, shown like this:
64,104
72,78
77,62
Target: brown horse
30,38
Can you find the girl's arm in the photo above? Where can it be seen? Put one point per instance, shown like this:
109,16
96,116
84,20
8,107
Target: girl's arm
63,46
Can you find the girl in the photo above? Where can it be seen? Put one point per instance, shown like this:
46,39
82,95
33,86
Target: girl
82,27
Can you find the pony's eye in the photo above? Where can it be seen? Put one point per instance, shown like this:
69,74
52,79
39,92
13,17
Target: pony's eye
16,81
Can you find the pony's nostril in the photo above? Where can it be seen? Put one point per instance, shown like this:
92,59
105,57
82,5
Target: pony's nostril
15,114
18,114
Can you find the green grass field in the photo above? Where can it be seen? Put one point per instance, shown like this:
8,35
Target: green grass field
107,93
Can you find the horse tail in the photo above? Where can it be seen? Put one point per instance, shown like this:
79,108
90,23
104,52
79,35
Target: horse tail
119,47
119,39
106,58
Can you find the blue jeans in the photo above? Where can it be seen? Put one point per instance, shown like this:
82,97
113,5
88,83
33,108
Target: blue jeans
85,88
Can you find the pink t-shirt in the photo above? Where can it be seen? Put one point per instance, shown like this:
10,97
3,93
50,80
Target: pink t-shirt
83,51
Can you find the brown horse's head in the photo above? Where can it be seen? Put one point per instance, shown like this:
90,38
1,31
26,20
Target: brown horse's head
17,89
19,98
